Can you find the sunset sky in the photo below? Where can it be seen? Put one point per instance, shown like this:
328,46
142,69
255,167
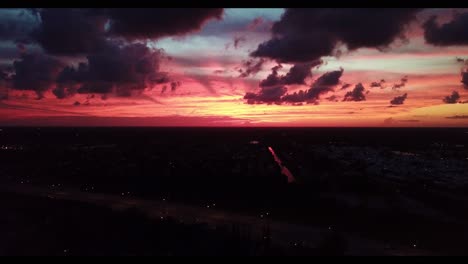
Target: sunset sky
234,67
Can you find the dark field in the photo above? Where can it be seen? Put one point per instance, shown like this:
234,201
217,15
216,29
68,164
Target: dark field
404,190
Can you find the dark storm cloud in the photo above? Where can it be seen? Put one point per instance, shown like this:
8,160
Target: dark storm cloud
153,23
35,72
120,68
3,75
62,92
273,79
300,72
125,70
69,80
6,72
451,33
275,92
297,74
357,94
252,67
4,83
303,35
266,95
322,85
8,51
16,25
76,31
297,97
113,65
3,94
399,100
71,31
452,99
329,78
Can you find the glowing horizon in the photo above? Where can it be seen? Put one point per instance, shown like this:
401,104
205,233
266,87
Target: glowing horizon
210,92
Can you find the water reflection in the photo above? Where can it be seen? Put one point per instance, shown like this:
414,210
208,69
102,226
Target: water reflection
284,170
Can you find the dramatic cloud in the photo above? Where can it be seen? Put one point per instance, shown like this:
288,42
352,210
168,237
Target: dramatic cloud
273,91
71,31
300,72
324,84
252,67
75,31
35,72
69,80
4,76
357,94
112,66
304,35
399,100
297,74
454,32
297,97
84,55
266,95
153,23
4,82
273,79
123,70
16,25
452,99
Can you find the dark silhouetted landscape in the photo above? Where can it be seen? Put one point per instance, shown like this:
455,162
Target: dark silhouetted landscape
221,191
